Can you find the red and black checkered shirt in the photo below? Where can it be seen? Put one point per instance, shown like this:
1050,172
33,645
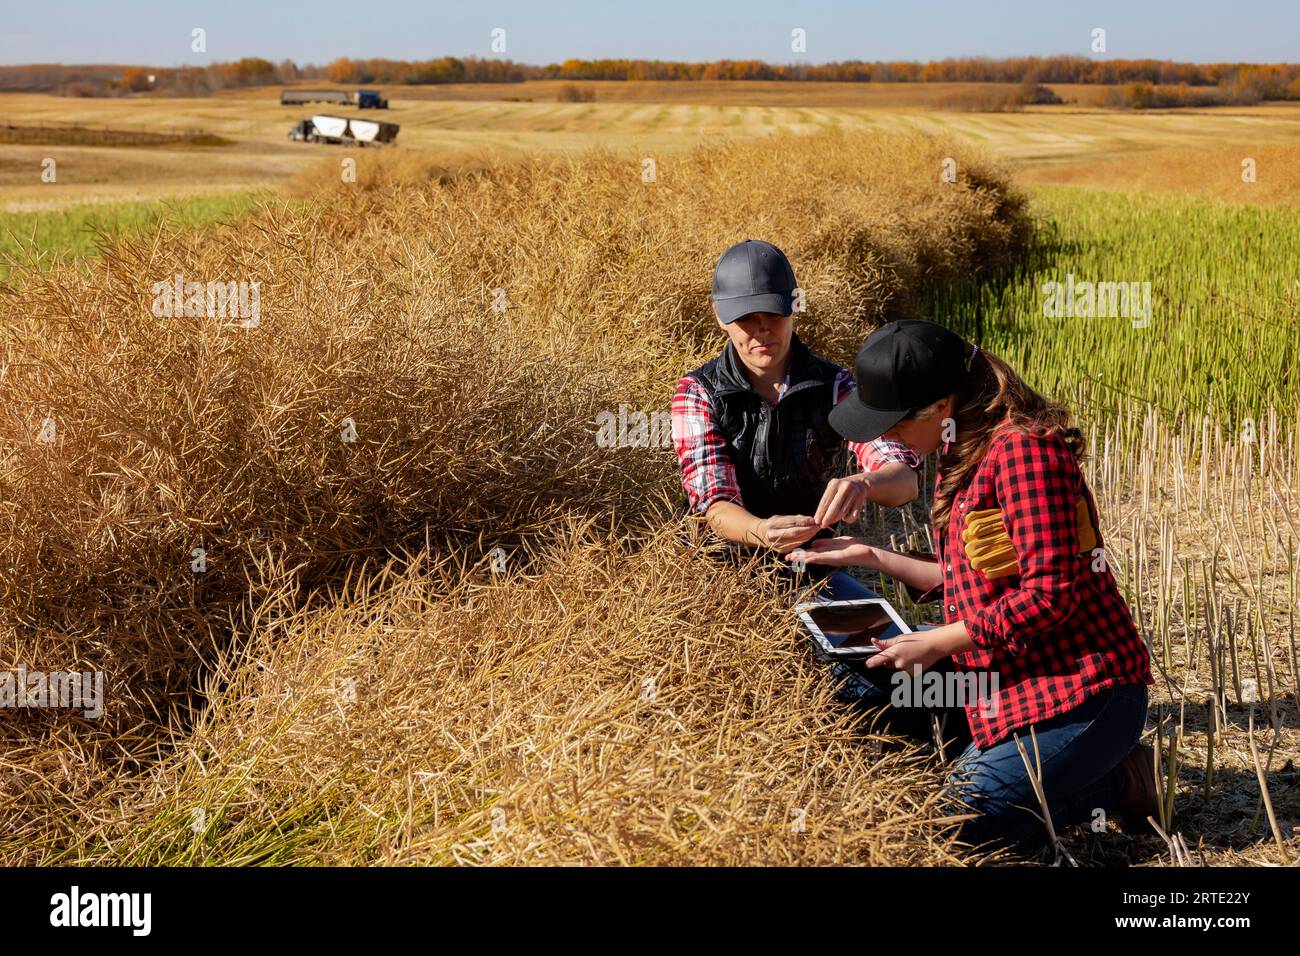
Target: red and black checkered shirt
1058,631
708,474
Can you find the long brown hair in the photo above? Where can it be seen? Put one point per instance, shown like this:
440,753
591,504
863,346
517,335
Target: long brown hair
993,395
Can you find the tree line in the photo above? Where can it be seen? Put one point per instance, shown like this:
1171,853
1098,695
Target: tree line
1236,82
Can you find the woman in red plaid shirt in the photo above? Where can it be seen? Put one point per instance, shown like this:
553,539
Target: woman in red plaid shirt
1029,603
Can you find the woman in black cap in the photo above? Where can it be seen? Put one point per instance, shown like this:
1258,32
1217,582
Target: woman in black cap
1029,602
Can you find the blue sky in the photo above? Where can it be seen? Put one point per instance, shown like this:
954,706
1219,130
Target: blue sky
539,31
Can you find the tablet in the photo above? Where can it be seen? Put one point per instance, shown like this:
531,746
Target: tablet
844,629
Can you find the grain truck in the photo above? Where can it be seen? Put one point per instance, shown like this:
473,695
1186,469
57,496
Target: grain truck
361,99
340,129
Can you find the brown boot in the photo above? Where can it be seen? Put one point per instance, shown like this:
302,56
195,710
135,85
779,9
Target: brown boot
1141,797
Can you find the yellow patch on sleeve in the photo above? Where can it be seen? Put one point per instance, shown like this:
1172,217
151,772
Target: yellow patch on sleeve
989,548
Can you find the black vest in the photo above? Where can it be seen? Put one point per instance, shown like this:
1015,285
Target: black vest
784,454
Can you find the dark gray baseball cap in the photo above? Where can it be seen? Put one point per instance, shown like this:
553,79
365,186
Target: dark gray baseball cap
753,276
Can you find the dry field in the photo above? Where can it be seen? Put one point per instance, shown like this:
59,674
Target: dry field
475,636
472,124
1213,170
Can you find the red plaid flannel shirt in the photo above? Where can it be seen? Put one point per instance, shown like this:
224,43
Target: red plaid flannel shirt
1057,632
707,472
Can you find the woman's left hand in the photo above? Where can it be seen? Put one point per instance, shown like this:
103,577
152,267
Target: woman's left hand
839,552
906,652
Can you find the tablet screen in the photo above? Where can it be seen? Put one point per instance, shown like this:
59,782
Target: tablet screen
853,625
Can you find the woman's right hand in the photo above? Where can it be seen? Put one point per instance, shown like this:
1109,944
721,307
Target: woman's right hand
836,552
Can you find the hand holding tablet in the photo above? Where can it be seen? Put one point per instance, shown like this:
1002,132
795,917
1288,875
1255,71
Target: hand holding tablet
844,630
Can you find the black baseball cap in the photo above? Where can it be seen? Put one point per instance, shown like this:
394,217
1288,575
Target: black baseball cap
753,276
901,367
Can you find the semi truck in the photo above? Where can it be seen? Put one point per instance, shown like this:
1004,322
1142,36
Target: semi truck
339,129
361,99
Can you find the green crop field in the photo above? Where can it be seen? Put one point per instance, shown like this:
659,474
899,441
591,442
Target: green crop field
1218,335
81,231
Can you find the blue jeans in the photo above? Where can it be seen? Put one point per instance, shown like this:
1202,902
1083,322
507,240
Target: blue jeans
1080,753
871,689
